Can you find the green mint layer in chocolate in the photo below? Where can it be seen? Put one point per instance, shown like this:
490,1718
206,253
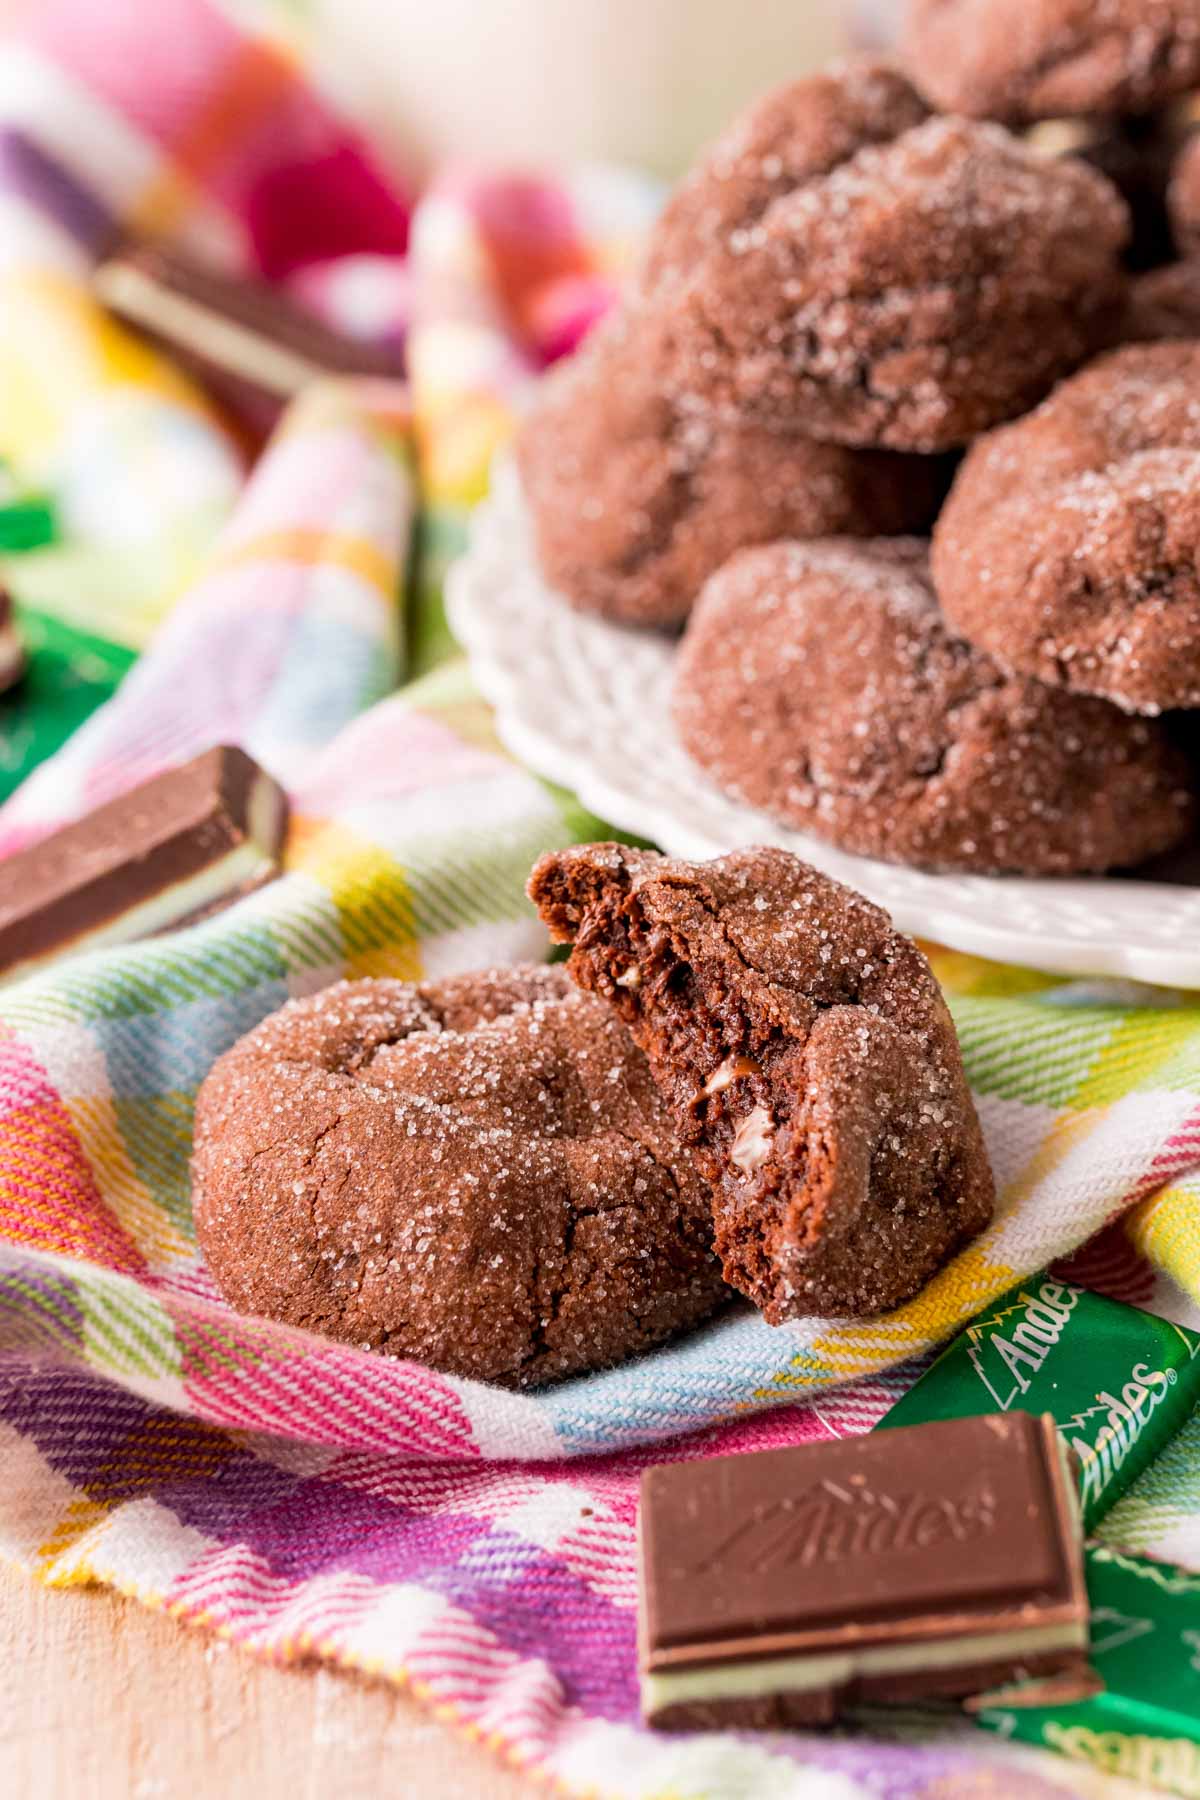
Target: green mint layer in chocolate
781,1587
163,854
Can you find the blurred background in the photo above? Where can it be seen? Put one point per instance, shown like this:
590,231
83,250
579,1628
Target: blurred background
642,81
464,182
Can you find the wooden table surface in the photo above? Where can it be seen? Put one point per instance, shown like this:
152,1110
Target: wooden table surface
101,1699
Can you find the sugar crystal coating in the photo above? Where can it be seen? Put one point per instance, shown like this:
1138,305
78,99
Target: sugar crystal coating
1068,547
819,682
477,1173
634,503
910,297
790,136
845,1158
1020,60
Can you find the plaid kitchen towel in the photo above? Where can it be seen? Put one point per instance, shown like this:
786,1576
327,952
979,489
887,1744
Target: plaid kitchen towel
297,1495
170,123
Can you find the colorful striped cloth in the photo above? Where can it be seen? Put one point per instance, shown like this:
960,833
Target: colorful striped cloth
172,123
298,1495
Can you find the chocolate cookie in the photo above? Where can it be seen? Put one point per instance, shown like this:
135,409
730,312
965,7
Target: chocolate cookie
1163,305
791,136
1020,60
908,298
809,1059
1068,547
1183,198
477,1173
634,503
819,682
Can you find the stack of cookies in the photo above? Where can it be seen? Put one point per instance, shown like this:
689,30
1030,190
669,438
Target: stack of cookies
898,425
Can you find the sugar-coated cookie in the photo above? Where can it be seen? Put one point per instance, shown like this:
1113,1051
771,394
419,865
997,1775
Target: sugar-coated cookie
909,296
820,683
1068,547
1020,60
477,1173
808,1056
635,503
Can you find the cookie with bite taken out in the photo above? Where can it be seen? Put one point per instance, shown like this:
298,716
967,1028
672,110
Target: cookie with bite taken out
807,1055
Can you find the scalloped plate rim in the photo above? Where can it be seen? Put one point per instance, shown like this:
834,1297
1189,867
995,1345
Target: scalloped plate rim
948,914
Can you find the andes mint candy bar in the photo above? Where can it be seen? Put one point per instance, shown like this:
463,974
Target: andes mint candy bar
1118,1382
245,340
173,849
780,1587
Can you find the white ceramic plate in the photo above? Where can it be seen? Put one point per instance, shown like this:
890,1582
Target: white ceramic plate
584,703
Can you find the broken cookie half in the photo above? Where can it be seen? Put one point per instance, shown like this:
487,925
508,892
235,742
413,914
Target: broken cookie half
809,1058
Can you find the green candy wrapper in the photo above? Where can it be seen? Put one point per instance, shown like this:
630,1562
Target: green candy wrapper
69,674
27,524
1118,1382
1146,1649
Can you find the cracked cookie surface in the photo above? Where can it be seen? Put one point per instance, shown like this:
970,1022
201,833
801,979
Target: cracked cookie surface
476,1173
1068,547
908,297
820,683
808,1057
792,135
1022,60
634,504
